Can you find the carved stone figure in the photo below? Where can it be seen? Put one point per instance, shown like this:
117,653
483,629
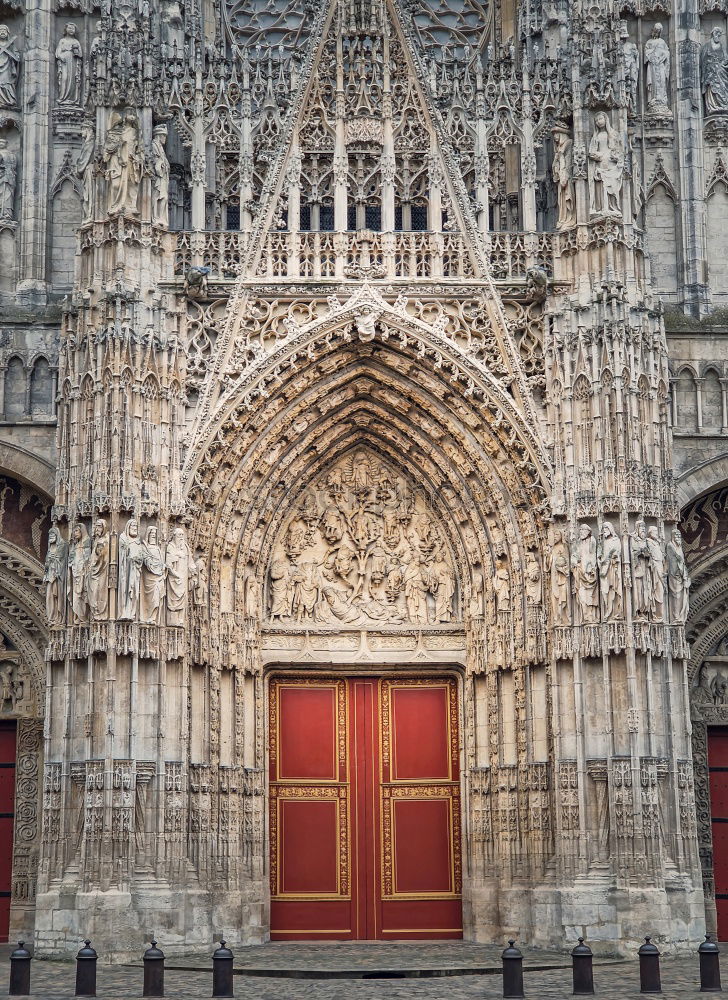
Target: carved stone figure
160,178
8,181
180,568
98,577
9,69
361,550
199,581
714,74
69,64
122,159
678,579
534,590
586,581
702,693
657,575
131,560
610,573
86,170
641,573
79,555
657,60
502,585
719,688
54,577
560,579
606,168
631,64
563,175
151,592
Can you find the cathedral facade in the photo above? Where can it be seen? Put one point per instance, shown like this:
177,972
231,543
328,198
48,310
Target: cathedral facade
363,471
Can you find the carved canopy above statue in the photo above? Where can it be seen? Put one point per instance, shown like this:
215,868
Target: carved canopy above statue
363,548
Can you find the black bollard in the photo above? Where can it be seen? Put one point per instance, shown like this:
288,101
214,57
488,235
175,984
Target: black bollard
709,953
20,972
512,971
86,971
581,967
222,972
153,972
649,968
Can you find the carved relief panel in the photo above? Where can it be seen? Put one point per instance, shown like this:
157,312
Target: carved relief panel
363,548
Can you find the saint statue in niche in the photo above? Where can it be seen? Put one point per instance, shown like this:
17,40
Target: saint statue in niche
362,549
714,74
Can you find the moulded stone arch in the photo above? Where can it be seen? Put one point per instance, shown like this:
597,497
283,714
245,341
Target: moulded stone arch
275,440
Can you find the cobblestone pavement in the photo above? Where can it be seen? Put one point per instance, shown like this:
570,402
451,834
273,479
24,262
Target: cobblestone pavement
614,981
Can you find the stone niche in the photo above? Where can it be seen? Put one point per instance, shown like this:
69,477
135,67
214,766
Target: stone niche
364,549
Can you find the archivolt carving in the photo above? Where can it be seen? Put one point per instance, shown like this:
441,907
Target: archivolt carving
366,387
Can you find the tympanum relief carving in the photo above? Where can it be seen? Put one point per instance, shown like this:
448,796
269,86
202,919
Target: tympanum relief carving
363,548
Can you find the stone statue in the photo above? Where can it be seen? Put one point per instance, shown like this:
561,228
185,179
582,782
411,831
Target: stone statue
678,579
502,585
702,694
9,69
610,573
631,65
86,170
714,74
69,63
122,159
153,574
199,581
160,178
98,575
641,573
657,575
534,590
606,167
79,555
586,582
131,559
719,688
560,576
8,181
54,577
180,569
657,60
563,175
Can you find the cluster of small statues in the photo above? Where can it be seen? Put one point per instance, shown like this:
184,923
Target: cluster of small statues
587,584
362,550
122,164
710,690
153,583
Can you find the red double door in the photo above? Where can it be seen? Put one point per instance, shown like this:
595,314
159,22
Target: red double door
364,808
7,820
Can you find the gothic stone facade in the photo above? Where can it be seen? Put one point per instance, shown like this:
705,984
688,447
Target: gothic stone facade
386,334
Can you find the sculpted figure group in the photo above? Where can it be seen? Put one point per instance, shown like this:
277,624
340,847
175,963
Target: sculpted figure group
120,165
588,583
153,583
362,549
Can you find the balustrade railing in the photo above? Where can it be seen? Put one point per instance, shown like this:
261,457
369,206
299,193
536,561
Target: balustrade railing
366,254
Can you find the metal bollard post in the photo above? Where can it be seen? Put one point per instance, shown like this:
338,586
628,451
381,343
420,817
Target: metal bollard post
222,972
649,968
512,971
581,967
86,971
153,972
20,972
709,966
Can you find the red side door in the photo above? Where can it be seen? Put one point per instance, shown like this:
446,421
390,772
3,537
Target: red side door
364,809
718,769
7,816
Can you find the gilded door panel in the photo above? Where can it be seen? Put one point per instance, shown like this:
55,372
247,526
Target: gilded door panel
420,809
309,809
